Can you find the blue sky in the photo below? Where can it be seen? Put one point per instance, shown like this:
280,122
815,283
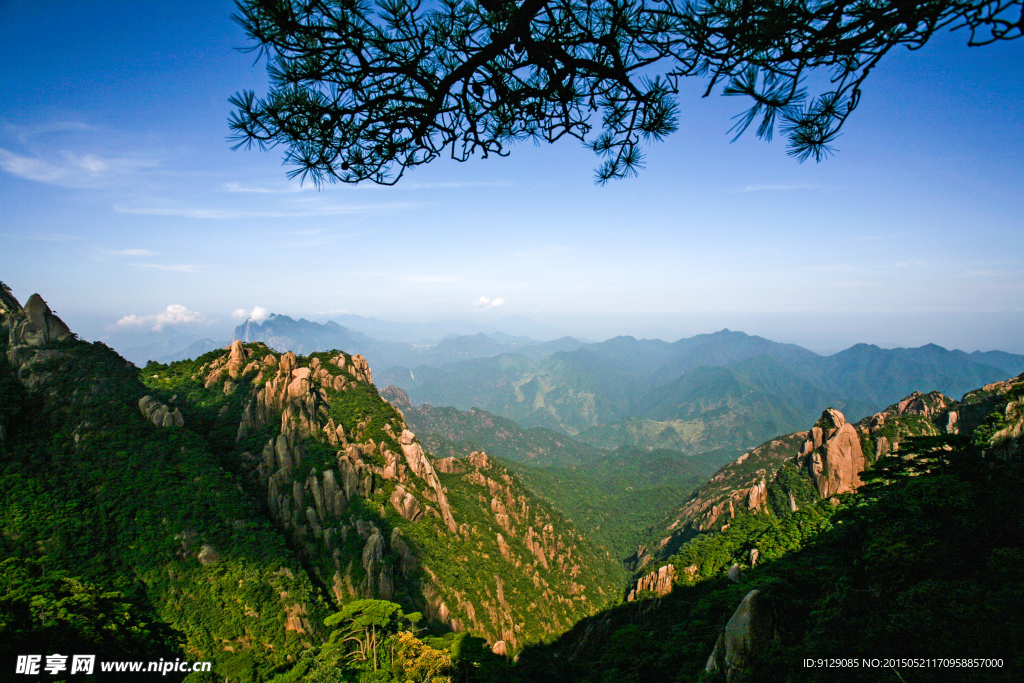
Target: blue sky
121,197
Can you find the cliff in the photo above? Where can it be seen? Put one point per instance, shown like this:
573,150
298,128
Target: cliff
369,513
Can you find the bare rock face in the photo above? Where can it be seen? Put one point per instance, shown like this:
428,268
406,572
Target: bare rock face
757,496
396,397
419,464
405,503
449,466
750,629
33,325
207,555
159,413
1008,442
833,455
660,583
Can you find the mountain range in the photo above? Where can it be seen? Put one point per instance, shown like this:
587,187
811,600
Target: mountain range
722,391
276,515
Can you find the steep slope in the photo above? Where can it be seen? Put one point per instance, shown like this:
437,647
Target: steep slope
232,501
355,493
809,562
499,436
746,484
109,510
614,497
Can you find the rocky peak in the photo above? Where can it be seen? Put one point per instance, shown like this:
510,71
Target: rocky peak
312,502
396,397
832,455
34,324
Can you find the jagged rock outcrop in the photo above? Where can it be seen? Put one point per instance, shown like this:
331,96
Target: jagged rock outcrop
741,484
750,629
1007,442
34,324
159,413
208,555
660,583
833,455
297,394
397,397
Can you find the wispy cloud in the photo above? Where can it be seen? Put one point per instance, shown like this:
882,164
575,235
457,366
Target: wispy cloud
483,303
178,267
777,188
68,169
427,278
175,314
222,214
128,252
287,189
25,134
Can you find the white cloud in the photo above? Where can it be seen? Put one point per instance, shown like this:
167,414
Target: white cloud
483,303
128,252
177,267
288,189
70,170
316,209
777,188
175,314
257,315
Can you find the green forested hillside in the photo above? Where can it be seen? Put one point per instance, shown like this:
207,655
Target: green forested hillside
918,564
106,516
222,508
722,391
619,498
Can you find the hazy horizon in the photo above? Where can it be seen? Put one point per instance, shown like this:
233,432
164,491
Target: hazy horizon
122,198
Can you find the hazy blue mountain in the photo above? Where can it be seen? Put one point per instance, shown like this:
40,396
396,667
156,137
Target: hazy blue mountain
1007,362
433,332
881,376
193,350
303,336
726,390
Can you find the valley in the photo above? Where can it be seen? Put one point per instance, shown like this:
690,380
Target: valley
587,513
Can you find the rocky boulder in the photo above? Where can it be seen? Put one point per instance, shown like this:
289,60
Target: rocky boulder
660,583
748,632
833,455
159,413
33,325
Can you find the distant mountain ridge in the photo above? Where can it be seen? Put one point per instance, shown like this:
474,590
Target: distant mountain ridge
721,390
303,336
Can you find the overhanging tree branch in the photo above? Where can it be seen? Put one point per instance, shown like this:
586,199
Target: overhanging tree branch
365,89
